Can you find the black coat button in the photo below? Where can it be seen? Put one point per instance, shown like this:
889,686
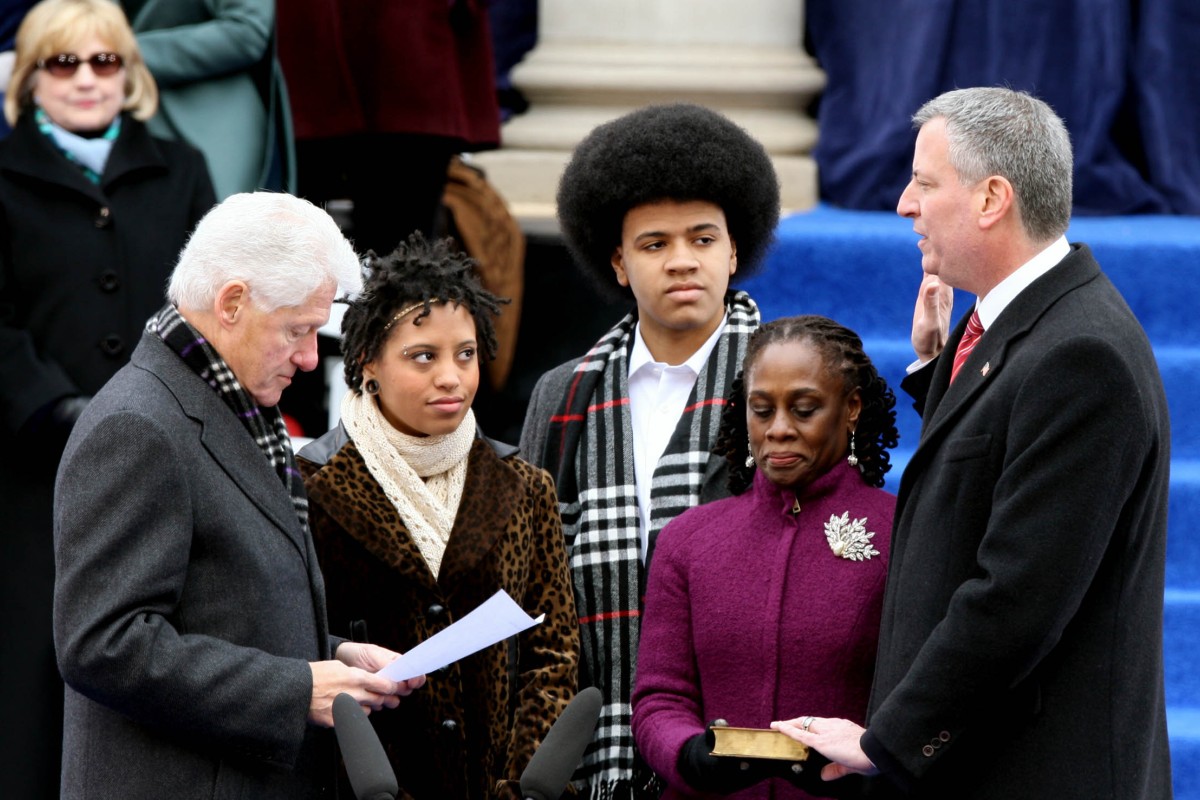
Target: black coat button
436,611
449,726
109,281
112,345
103,217
927,751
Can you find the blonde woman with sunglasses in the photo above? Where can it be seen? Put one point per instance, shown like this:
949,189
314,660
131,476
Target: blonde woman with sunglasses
93,212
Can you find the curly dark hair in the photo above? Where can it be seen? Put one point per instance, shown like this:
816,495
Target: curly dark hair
679,152
841,351
417,271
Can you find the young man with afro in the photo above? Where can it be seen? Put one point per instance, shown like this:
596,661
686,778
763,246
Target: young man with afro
666,203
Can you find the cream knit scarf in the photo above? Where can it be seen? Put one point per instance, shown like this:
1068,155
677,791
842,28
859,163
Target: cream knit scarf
422,476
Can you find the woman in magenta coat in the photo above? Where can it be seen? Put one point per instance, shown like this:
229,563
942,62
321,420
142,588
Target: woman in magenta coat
766,604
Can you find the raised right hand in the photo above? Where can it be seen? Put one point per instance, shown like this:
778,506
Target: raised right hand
931,318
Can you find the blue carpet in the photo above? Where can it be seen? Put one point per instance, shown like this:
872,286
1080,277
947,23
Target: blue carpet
863,268
1183,724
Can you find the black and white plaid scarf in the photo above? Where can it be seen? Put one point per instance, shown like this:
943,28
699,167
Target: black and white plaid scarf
590,453
265,425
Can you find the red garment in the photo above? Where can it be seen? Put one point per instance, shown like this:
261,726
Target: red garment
381,66
966,344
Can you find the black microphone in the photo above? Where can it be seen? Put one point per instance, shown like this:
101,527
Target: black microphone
560,752
371,774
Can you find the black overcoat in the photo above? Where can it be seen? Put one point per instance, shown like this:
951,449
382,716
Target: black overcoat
1020,653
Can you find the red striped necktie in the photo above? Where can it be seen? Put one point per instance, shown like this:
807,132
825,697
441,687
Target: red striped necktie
967,344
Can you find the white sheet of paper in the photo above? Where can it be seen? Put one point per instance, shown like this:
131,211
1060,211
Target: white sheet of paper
494,620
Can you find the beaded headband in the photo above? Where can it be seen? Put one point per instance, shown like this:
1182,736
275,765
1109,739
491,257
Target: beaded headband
406,311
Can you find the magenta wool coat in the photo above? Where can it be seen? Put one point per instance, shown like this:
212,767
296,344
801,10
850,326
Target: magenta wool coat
751,617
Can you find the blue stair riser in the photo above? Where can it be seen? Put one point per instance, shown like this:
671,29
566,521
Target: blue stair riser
1185,768
1181,644
1183,545
1180,369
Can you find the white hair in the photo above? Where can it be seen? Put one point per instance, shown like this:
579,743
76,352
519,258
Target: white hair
283,247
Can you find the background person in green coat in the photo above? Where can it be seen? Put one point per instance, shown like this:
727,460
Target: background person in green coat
220,87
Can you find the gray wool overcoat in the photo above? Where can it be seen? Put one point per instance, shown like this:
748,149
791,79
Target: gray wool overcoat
187,603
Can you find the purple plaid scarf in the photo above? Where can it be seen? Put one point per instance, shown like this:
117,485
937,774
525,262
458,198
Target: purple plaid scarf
265,425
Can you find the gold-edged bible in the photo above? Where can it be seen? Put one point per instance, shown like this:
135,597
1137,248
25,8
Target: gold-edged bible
757,743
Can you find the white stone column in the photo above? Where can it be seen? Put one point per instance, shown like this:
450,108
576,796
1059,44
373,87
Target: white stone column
598,59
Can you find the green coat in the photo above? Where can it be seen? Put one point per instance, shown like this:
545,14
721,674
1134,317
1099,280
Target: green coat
220,87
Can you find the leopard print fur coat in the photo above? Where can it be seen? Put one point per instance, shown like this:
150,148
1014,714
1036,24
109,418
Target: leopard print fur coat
471,730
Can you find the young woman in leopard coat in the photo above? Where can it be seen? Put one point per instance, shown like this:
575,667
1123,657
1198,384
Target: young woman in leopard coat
418,519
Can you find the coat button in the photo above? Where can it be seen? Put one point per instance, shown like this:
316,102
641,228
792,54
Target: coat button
103,217
109,281
112,345
944,736
927,751
436,611
449,726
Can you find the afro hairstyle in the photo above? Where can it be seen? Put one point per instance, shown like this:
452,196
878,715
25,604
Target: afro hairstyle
679,152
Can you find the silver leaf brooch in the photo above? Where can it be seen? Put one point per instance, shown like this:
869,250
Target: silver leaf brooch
848,538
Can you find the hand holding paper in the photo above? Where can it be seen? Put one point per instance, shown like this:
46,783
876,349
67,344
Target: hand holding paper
494,620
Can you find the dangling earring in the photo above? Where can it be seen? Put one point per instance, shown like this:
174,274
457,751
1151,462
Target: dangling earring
852,459
371,386
749,454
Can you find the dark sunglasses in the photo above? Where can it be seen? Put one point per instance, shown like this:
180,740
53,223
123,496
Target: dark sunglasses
64,65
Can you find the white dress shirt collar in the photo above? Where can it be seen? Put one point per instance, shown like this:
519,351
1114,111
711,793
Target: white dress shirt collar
641,356
990,306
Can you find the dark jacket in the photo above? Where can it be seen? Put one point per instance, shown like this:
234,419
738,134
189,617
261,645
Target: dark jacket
188,601
1020,653
470,732
83,266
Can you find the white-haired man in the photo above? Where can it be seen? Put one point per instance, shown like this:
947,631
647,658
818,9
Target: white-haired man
189,613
